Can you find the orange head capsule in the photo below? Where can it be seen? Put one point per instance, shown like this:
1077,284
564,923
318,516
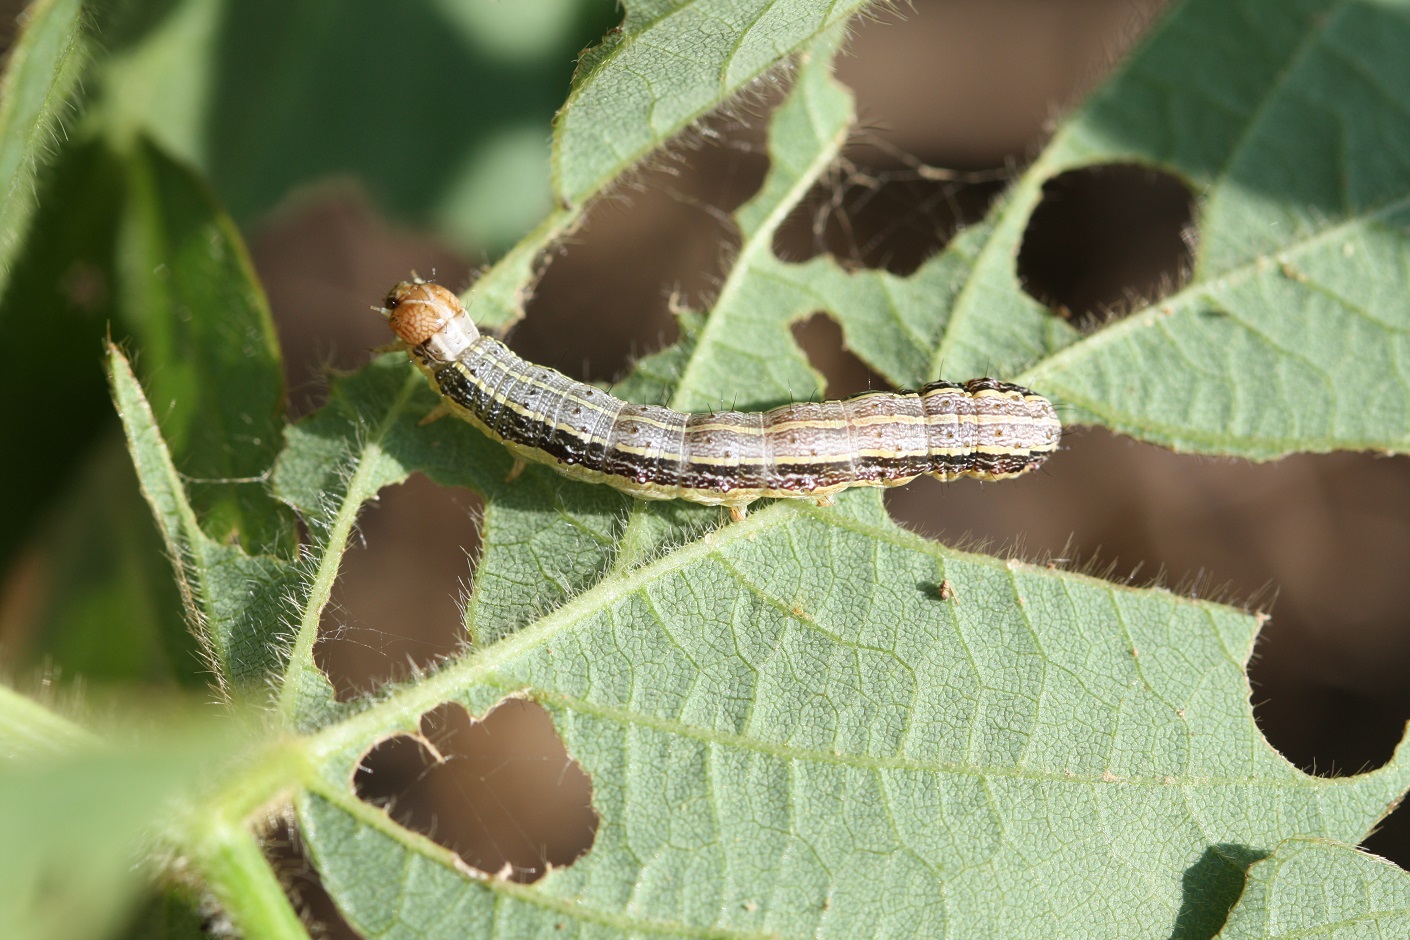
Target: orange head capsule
418,310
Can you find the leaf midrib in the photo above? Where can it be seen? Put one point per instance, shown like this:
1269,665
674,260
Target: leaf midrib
333,546
789,752
401,708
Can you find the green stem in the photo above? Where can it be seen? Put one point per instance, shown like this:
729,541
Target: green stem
237,871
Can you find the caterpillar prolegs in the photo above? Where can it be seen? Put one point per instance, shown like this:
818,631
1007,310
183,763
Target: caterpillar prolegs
981,428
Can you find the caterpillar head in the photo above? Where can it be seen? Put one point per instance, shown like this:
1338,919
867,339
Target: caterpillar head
418,310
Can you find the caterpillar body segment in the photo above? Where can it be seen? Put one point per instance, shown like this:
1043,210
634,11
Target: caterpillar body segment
981,428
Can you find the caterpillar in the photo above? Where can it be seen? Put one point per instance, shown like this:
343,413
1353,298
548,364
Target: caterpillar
982,428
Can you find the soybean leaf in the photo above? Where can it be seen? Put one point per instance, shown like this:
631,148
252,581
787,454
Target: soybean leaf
129,244
54,281
1311,888
780,741
189,297
38,92
237,604
1295,297
398,97
1282,119
812,723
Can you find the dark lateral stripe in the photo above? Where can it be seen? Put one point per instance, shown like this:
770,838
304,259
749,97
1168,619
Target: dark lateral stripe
982,428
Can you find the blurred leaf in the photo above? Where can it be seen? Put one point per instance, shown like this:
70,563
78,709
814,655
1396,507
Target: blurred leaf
38,92
426,104
168,915
105,608
30,730
1309,888
74,826
62,286
129,244
191,302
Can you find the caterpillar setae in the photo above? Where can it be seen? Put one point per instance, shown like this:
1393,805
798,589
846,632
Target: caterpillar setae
982,428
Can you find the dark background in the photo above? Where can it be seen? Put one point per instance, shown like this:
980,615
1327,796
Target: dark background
1319,542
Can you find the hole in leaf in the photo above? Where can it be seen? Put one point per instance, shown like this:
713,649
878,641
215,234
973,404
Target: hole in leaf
892,217
820,337
979,82
1106,240
396,606
1391,837
507,797
1313,539
664,236
1324,729
284,847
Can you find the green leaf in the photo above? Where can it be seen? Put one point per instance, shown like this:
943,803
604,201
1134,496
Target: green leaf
65,272
1293,302
668,65
1312,888
128,244
813,723
190,300
29,729
437,108
780,742
237,604
38,90
74,823
105,602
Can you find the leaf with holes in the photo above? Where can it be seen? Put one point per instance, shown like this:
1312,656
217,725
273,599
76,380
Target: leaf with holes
1284,118
1295,301
782,743
668,65
1296,298
811,722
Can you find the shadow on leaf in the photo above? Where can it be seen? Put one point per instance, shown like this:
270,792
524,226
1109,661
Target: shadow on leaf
1210,888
